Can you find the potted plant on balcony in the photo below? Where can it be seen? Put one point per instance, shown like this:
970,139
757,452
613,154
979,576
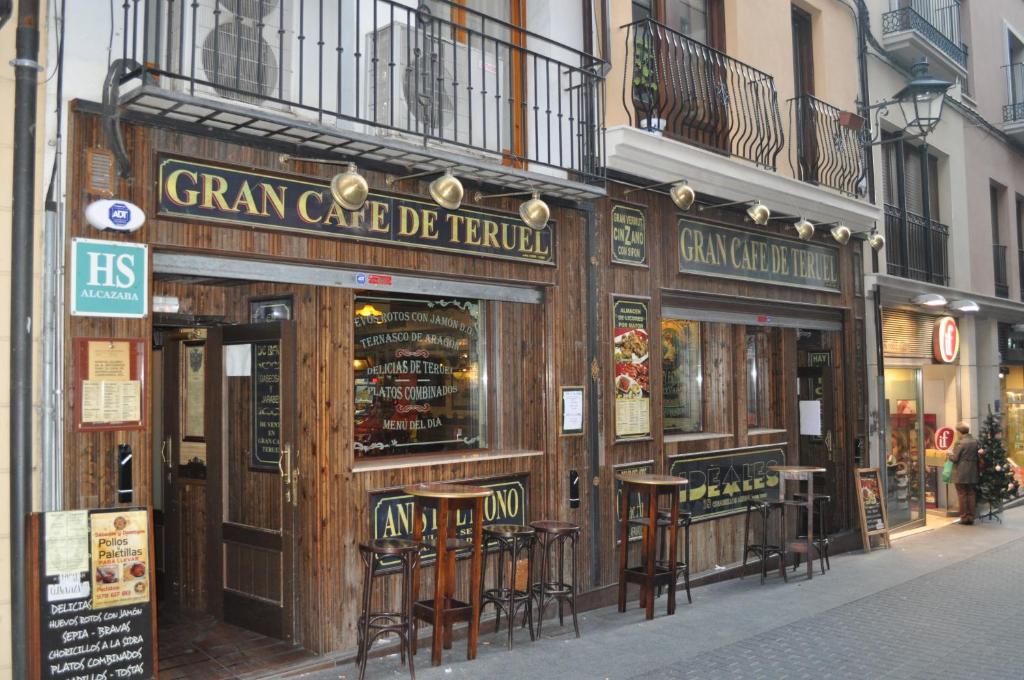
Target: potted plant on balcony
645,84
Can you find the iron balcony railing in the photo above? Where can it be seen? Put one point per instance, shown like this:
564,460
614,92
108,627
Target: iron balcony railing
999,270
1020,271
937,20
827,149
908,240
700,95
384,67
1014,109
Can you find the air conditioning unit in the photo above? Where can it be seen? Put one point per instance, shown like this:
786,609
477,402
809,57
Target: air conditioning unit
232,48
420,83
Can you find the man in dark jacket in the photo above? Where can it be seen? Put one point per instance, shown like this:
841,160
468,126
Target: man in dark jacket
965,471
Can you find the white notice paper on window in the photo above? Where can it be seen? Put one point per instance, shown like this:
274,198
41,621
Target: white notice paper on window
238,360
810,418
572,411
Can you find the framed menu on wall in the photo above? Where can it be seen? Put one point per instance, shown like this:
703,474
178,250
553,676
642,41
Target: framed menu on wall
631,361
110,384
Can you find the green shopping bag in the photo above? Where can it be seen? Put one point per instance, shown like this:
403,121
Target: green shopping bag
947,472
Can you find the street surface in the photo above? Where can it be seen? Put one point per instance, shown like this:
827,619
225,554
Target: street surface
946,603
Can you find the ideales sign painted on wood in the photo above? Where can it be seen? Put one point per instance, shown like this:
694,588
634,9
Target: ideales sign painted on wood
204,192
945,340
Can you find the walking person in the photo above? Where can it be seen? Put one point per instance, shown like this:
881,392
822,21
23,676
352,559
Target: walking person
965,472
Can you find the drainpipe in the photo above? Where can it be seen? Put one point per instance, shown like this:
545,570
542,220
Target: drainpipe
594,438
26,69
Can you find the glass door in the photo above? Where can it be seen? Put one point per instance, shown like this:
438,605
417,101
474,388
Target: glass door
904,462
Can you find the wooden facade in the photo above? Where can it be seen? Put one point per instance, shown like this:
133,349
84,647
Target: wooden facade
534,349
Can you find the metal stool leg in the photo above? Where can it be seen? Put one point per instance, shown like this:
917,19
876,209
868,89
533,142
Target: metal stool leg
542,605
575,580
364,623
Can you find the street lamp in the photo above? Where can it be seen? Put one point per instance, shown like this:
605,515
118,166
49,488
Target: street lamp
921,100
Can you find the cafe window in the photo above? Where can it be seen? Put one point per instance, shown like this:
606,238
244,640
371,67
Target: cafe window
682,386
761,356
420,375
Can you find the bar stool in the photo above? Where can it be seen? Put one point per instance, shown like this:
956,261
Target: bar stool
764,550
373,624
553,535
515,542
822,532
682,567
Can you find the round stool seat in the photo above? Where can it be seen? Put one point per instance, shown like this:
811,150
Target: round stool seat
552,526
509,530
391,546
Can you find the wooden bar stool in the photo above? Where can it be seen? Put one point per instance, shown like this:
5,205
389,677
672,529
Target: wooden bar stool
651,573
443,610
805,474
373,624
682,567
763,548
822,531
553,535
511,592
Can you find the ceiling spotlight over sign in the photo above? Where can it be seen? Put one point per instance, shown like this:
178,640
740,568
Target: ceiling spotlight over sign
349,188
876,241
964,305
804,229
929,300
759,213
446,190
841,233
681,193
534,212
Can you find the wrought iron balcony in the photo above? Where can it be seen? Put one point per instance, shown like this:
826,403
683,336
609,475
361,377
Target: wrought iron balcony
908,241
361,71
937,21
697,94
1020,271
999,270
828,148
1013,111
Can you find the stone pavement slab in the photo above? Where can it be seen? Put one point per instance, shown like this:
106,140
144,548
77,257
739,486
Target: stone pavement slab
944,603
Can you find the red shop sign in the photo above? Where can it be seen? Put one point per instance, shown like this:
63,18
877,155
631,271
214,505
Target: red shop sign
944,438
946,340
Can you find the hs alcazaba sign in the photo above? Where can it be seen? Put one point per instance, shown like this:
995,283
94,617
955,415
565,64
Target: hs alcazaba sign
109,278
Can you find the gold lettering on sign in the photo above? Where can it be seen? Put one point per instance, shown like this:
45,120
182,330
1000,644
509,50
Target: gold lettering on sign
302,205
191,195
378,213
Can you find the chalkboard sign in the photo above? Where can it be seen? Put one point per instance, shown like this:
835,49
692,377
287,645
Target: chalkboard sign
874,520
90,585
266,392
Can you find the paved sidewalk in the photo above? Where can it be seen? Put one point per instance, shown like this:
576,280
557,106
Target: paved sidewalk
947,603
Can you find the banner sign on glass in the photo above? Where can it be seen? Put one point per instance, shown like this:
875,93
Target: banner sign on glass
216,193
392,513
735,254
418,375
266,394
632,387
636,500
722,483
629,235
95,608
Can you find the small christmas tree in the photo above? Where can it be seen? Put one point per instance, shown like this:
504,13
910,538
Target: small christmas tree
996,483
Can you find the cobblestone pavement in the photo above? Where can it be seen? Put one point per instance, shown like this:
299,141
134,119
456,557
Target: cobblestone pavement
947,603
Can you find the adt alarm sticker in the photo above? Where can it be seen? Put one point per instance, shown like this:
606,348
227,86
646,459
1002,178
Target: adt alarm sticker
361,279
119,214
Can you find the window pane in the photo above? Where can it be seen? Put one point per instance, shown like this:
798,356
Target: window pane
682,388
419,375
761,402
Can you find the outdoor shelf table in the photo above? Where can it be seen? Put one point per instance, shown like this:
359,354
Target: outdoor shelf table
805,473
650,574
448,499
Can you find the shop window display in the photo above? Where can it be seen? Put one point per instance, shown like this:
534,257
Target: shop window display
419,375
762,398
682,389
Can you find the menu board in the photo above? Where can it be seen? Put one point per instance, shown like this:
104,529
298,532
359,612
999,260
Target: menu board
109,384
392,514
93,602
636,500
629,235
874,520
419,375
632,369
266,393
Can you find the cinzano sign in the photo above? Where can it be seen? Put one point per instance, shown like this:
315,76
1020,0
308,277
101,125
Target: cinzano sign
109,279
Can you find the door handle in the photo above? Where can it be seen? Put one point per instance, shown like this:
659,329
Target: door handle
164,456
284,466
828,442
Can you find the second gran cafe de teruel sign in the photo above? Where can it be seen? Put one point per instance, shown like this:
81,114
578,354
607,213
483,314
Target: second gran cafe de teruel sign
219,193
736,254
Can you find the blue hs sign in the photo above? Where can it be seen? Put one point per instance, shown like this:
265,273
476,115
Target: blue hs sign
110,279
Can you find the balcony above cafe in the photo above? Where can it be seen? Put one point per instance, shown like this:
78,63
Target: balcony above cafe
689,111
928,28
1013,110
423,85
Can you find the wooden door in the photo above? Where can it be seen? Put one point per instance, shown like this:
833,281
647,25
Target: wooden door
803,82
252,464
820,447
170,589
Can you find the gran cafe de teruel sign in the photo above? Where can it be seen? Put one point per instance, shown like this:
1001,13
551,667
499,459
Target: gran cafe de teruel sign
736,254
207,192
